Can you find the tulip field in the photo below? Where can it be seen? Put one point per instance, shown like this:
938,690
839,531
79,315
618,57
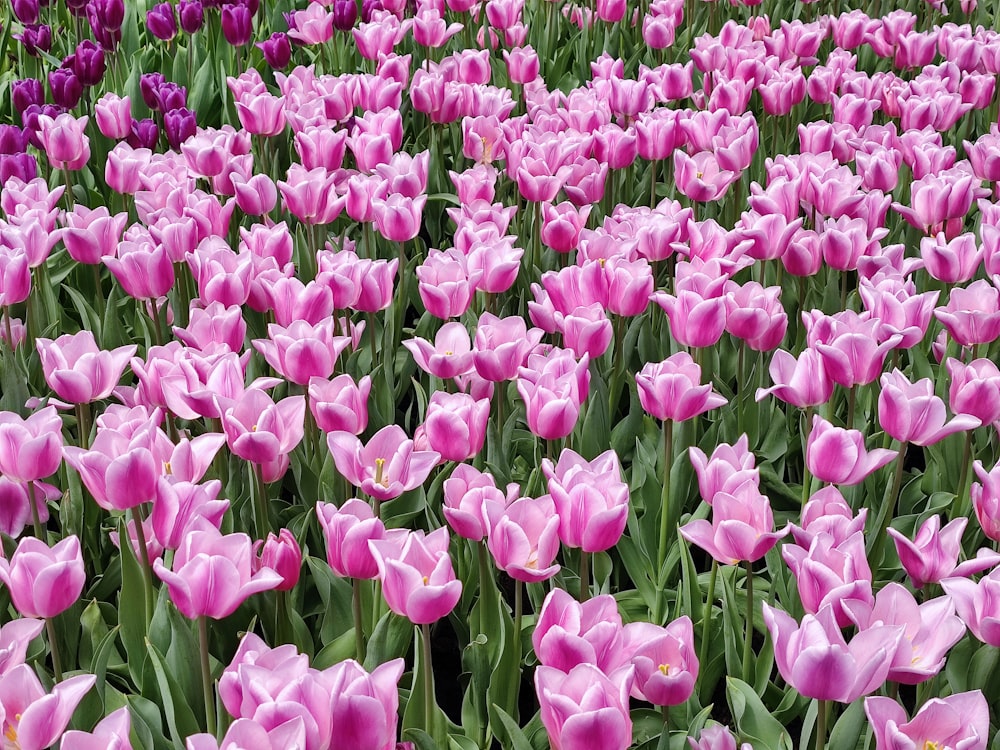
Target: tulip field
474,374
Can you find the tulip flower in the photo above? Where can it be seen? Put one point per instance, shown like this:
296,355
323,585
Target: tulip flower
301,351
972,315
34,719
716,737
585,707
569,633
472,502
729,467
741,527
246,733
672,390
448,356
829,574
962,720
802,382
815,659
524,539
974,389
259,430
501,346
827,512
30,448
933,554
282,555
418,580
386,467
340,405
111,733
77,370
911,413
119,471
455,425
666,666
986,499
44,581
838,456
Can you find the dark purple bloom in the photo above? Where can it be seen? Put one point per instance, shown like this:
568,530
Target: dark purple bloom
66,87
277,50
88,63
161,21
35,37
236,26
192,15
26,11
30,120
26,92
149,85
77,7
368,7
179,125
144,134
345,13
13,140
170,96
110,14
22,166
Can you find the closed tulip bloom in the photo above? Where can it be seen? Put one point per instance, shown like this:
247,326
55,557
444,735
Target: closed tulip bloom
815,659
930,630
161,21
755,315
212,574
587,330
191,14
143,268
666,665
801,382
178,504
838,456
473,503
585,707
340,405
118,471
281,554
552,402
91,234
259,430
741,527
672,389
569,633
445,283
972,315
729,467
502,345
592,507
30,448
42,581
418,580
64,141
386,467
455,425
347,530
716,737
78,371
398,217
562,225
524,540
974,389
15,510
978,604
365,706
15,277
831,574
34,719
376,282
986,499
277,50
450,354
695,319
214,324
911,413
301,351
854,351
237,24
952,261
827,512
113,115
962,720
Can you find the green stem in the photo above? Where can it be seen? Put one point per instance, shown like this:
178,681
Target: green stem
962,499
706,617
147,569
518,617
852,397
747,643
35,518
822,709
897,481
50,631
584,575
806,476
83,424
359,634
206,675
425,633
484,574
668,455
261,520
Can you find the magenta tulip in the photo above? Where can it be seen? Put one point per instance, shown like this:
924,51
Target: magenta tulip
524,540
259,430
962,720
340,405
838,456
911,413
455,425
741,527
347,531
418,580
672,389
78,371
386,467
30,448
44,581
34,719
585,707
665,662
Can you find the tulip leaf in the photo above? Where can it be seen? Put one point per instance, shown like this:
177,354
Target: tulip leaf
180,717
147,724
515,736
131,610
753,719
847,731
390,640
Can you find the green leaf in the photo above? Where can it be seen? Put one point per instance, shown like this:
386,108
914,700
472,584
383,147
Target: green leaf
180,717
390,640
515,736
753,719
847,731
131,610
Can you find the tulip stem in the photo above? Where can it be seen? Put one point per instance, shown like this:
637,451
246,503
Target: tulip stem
748,641
259,502
822,709
706,616
83,424
359,634
425,633
668,455
962,499
584,575
889,508
10,330
206,675
35,518
852,397
664,743
518,617
50,631
484,574
147,569
806,476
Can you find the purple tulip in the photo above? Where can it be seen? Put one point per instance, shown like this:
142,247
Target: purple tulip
277,50
161,21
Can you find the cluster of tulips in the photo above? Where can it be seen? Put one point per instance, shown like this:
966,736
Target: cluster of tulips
331,388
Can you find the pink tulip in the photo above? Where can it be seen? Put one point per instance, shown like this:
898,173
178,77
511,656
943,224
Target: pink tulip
212,574
119,471
740,529
827,512
15,277
398,217
177,505
77,370
590,498
113,115
65,141
386,467
986,499
502,345
473,503
838,456
899,307
222,275
91,234
962,720
930,630
729,467
448,356
697,312
214,324
716,737
42,581
977,604
801,382
828,574
111,733
142,267
815,659
665,662
375,284
700,177
972,315
281,554
585,707
247,733
15,510
755,315
259,430
853,348
34,719
561,226
911,413
587,330
455,425
974,389
347,531
365,705
672,389
30,448
952,261
552,400
301,351
524,539
340,405
446,283
418,580
568,633
933,554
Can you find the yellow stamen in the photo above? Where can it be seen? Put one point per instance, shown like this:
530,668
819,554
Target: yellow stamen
379,469
166,469
664,668
426,580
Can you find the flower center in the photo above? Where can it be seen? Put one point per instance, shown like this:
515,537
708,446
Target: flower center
428,580
10,733
379,471
931,745
664,669
166,469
